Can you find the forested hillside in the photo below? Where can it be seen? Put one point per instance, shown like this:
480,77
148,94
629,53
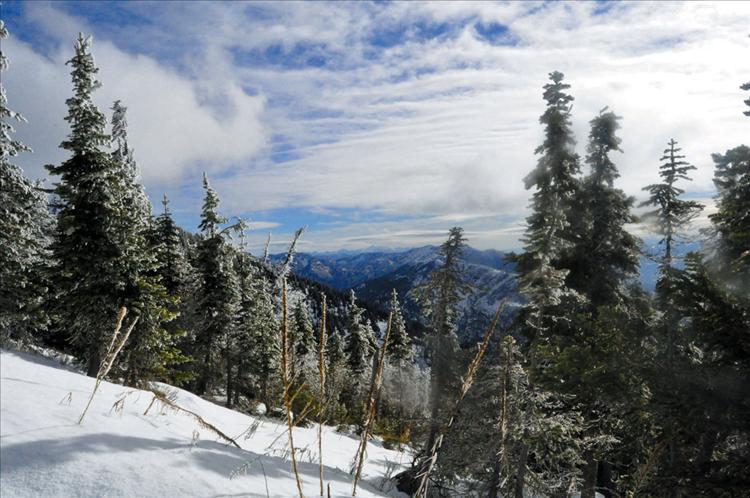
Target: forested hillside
544,372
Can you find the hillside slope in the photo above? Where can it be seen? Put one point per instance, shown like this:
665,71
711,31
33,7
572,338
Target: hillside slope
43,452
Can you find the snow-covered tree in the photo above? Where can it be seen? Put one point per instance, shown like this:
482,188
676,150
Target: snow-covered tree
399,344
606,254
359,346
302,341
671,215
552,225
523,440
92,274
265,348
217,294
173,266
24,224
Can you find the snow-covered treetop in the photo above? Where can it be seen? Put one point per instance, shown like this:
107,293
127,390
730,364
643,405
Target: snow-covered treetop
8,146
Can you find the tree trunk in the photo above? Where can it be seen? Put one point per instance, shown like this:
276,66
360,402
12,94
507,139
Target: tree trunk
229,383
92,366
606,485
523,455
589,475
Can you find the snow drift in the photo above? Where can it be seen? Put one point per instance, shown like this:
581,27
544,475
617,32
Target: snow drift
43,452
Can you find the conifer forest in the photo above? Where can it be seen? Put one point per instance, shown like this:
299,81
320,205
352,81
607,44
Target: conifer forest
605,352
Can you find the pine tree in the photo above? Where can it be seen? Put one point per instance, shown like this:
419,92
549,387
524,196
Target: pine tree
746,86
173,266
440,297
606,254
264,349
672,214
730,239
302,340
24,223
706,397
359,346
217,294
91,268
399,343
671,217
523,440
551,229
336,369
151,352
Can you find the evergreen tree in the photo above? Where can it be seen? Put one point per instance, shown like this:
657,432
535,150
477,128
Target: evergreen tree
336,368
440,297
302,340
730,237
359,346
671,214
671,217
524,441
264,349
606,254
551,227
399,343
217,294
151,352
704,402
173,266
746,86
24,223
91,269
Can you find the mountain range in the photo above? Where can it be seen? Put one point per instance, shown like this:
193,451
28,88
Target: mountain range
373,275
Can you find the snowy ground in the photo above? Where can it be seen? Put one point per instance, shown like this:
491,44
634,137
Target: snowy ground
43,452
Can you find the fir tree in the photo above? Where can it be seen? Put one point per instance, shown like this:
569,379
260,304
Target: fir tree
440,297
151,352
550,229
24,223
672,214
671,217
302,339
264,350
217,299
730,237
359,346
704,402
606,254
91,269
524,441
173,266
399,343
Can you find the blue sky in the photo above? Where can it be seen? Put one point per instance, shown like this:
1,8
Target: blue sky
386,123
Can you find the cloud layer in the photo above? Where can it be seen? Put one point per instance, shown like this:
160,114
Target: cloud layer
420,115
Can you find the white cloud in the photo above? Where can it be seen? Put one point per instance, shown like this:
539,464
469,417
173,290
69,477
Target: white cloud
441,129
172,128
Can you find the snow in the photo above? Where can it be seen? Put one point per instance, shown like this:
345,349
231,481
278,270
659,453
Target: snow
44,452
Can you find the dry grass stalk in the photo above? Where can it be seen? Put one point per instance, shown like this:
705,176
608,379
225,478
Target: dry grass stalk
371,405
322,393
285,376
163,399
468,379
113,350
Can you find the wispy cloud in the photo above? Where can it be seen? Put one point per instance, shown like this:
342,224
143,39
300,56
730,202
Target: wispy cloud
424,114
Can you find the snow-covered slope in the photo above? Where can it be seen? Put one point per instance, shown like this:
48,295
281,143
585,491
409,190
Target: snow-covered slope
44,452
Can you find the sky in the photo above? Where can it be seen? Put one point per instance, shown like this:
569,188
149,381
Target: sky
380,124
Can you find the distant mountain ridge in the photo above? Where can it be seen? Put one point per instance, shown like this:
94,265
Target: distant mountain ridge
374,274
346,270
